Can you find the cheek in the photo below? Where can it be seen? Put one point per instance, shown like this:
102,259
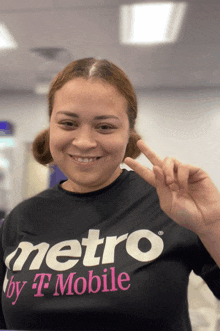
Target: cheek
117,144
55,142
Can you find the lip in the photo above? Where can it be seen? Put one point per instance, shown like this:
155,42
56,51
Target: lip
85,156
84,164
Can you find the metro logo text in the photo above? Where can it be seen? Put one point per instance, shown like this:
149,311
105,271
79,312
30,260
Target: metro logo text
72,251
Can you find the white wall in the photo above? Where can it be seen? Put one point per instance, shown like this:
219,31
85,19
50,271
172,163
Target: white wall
184,124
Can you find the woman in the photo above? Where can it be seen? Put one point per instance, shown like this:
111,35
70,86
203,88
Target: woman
106,249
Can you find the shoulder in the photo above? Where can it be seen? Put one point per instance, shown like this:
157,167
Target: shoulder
25,216
30,206
35,200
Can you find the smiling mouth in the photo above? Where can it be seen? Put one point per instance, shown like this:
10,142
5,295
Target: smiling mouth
85,159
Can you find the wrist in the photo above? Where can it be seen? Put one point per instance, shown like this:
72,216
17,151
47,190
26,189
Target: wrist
212,229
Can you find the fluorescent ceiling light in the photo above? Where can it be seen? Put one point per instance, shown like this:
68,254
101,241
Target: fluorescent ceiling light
151,23
6,39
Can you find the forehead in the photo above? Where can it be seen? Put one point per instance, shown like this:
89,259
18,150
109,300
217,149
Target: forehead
82,91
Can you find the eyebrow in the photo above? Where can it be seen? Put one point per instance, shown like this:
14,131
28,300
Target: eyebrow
101,117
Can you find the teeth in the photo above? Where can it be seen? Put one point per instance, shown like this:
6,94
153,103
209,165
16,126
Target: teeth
86,160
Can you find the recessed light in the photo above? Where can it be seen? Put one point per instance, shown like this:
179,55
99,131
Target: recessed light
6,39
151,23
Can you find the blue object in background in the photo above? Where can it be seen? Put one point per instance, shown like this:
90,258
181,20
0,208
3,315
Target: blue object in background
6,129
56,176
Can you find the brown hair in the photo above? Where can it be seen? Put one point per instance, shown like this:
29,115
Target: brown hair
90,68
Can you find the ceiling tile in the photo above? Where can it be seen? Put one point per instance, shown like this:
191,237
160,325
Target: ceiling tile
89,3
64,27
15,80
148,58
202,23
25,4
19,60
195,56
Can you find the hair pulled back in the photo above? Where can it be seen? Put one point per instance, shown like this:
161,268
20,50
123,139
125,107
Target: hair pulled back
90,68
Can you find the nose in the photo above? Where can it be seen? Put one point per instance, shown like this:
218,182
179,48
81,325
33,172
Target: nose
84,138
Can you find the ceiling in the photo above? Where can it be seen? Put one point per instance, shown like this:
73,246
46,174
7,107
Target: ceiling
90,28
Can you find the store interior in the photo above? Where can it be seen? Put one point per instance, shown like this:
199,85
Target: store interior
177,84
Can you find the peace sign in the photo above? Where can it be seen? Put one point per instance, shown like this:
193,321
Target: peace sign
186,193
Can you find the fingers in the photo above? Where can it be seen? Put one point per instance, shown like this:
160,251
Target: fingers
172,173
175,174
152,157
170,169
141,170
169,166
183,175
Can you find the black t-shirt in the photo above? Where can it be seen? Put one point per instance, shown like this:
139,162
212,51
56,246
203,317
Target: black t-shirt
104,260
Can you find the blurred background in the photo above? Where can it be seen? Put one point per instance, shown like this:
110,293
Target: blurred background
172,58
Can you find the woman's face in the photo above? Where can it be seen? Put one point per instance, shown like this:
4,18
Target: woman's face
89,132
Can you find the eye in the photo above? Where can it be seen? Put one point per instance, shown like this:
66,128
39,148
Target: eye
68,124
106,127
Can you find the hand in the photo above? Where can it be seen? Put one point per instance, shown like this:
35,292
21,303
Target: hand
186,193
